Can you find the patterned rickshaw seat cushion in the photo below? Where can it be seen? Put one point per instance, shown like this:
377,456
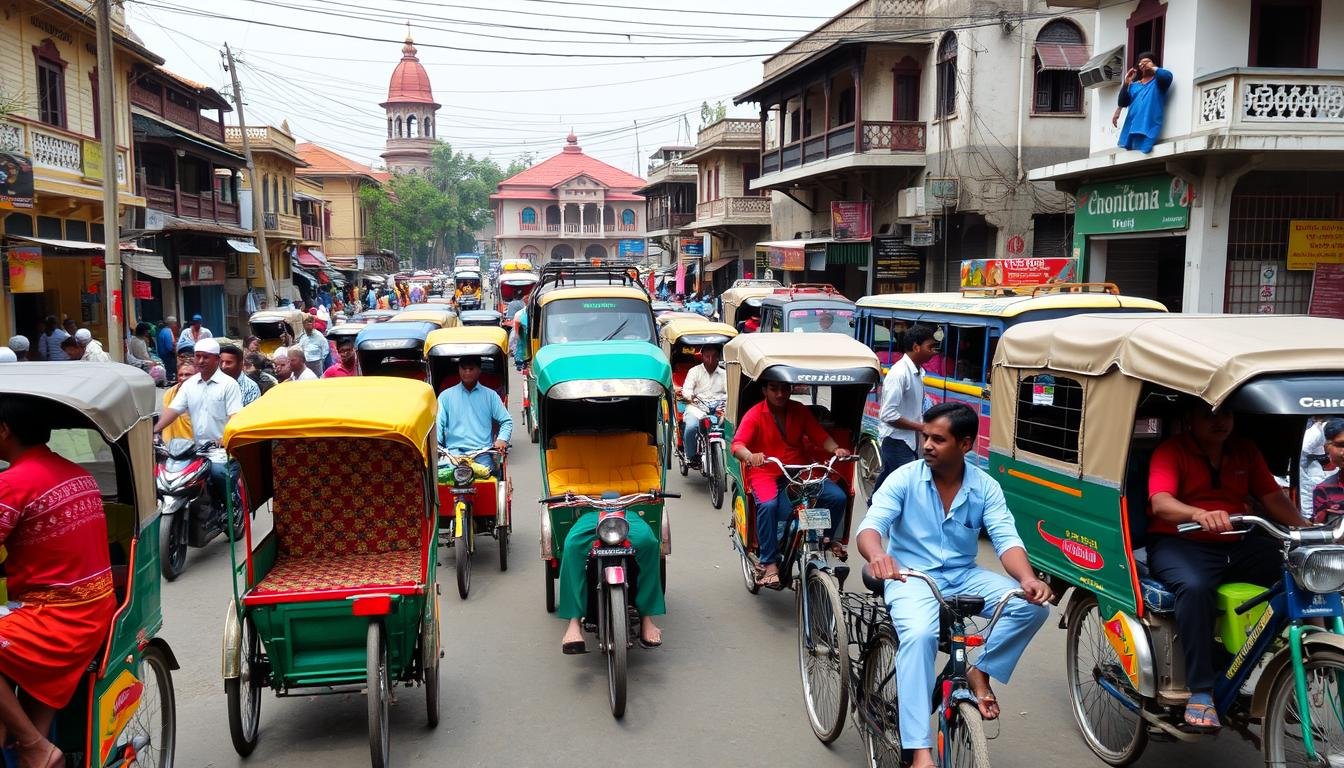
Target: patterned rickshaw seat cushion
337,496
341,572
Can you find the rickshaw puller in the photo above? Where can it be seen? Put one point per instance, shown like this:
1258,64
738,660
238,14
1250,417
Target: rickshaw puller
469,414
708,382
931,513
776,427
572,593
53,525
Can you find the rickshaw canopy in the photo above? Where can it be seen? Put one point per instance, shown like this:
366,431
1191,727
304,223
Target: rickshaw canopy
373,407
345,330
481,317
518,278
379,336
593,292
609,368
673,315
803,358
466,274
294,317
439,316
696,332
114,397
1005,306
467,340
376,315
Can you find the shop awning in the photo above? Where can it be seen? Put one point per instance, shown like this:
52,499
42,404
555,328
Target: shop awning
163,222
304,275
718,264
813,244
142,260
311,257
848,253
242,246
69,245
149,264
1061,57
335,276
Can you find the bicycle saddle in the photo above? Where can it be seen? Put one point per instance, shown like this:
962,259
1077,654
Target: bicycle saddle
875,586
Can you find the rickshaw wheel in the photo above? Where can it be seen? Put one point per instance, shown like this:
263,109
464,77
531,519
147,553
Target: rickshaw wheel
502,536
1114,733
379,695
160,737
462,551
682,464
429,661
245,703
716,477
617,622
870,466
547,573
173,544
823,665
1283,745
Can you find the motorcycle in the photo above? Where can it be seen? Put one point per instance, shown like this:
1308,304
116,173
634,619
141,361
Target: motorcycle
190,516
710,451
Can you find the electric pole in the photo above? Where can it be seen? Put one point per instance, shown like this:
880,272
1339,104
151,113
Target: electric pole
258,217
114,293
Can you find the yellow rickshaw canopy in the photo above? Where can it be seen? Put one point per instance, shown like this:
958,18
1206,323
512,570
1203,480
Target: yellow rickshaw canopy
673,330
593,292
378,407
444,318
468,334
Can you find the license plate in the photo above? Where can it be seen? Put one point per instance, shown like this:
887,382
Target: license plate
613,552
814,519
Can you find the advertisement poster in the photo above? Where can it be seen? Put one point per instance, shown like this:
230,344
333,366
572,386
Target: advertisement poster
1327,291
1315,242
921,233
790,259
93,159
851,221
1006,273
630,248
141,289
895,261
16,182
25,270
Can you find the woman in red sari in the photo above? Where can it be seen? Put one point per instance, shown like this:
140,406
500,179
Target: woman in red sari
59,577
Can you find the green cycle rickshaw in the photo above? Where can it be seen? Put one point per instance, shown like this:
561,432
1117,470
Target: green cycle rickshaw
605,448
1080,405
340,595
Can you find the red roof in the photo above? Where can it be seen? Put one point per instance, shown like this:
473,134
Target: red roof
569,163
324,162
410,81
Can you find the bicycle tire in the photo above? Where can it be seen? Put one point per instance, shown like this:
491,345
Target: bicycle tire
822,666
966,745
1281,724
1111,730
880,701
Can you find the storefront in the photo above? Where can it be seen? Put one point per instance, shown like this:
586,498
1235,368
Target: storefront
822,260
1132,232
897,267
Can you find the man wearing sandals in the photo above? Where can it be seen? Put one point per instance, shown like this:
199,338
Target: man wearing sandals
776,427
931,513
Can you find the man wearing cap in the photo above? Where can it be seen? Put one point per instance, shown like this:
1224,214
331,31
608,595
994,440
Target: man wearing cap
49,343
7,355
280,359
193,333
470,413
19,346
93,350
209,397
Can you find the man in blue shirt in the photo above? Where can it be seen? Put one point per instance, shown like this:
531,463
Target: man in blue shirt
470,413
1145,93
931,513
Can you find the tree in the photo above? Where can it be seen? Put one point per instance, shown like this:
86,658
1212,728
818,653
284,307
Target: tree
710,114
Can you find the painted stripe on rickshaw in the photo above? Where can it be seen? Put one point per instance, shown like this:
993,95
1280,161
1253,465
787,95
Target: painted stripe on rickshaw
952,385
1077,493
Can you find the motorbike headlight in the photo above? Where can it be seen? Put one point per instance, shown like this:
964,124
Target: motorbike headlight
1318,569
613,530
463,474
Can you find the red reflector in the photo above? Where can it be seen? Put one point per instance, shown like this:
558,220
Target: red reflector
974,641
614,574
374,605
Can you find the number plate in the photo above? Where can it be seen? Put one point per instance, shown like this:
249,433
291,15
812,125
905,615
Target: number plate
814,519
612,552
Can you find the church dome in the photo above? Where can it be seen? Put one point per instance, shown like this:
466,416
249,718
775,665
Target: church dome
410,81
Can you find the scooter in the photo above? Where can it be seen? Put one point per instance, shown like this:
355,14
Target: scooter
190,515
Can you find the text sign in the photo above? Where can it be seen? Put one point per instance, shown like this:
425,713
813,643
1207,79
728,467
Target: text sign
851,221
894,260
1150,204
1312,242
995,273
1327,291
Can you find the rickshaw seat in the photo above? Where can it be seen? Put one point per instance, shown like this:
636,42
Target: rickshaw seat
592,464
296,576
679,370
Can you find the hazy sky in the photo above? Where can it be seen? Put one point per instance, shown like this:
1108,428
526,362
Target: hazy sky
303,61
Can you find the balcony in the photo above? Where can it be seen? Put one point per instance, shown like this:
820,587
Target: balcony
864,20
262,138
312,233
1280,103
152,100
733,211
55,151
675,172
880,138
170,200
282,225
661,221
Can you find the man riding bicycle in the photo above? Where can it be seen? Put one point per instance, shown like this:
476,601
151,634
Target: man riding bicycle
470,413
931,513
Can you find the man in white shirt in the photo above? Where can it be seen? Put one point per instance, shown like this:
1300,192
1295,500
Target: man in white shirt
193,333
314,345
298,368
210,398
903,401
708,383
93,351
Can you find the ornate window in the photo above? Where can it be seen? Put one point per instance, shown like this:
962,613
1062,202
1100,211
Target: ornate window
284,184
1060,52
50,84
410,127
905,90
529,215
389,127
266,194
427,127
398,127
628,217
947,76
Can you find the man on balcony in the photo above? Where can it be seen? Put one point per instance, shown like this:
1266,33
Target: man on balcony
1145,93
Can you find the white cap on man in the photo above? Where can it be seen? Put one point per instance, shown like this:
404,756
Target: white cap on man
280,353
83,336
207,347
18,343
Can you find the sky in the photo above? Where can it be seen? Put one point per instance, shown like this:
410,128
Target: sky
513,76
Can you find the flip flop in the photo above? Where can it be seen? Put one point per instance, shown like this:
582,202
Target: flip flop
649,643
574,648
768,580
1202,717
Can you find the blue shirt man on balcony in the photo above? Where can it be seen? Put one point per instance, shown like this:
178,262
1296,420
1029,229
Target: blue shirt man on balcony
1144,92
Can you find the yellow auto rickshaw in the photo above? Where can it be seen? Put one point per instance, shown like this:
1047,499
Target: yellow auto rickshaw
271,325
441,318
743,300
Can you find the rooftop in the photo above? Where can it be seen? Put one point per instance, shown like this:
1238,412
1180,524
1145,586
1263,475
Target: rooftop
410,81
569,163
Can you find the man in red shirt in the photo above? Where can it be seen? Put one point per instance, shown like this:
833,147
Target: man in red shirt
776,427
347,365
54,530
1203,475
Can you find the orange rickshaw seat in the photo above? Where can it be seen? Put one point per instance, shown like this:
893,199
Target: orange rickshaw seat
593,464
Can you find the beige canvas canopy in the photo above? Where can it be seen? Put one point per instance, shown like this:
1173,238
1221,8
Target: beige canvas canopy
755,352
1207,356
733,298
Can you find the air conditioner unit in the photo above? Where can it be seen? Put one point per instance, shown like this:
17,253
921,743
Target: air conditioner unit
910,203
1108,67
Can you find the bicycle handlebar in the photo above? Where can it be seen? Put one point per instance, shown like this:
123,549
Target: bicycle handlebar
794,471
620,502
910,573
445,453
1313,535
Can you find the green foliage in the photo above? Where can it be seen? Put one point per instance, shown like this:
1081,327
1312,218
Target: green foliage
712,113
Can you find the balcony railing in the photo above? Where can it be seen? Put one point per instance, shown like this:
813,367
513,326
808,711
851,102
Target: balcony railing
730,129
865,17
669,221
261,137
169,200
312,232
1275,101
529,226
56,149
878,136
750,210
152,100
282,224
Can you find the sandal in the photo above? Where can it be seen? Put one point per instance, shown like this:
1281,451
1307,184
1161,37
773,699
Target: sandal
768,580
840,551
1201,715
575,648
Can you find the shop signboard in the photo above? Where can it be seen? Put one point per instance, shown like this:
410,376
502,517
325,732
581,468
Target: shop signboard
921,233
1327,291
1315,241
895,261
1007,273
692,246
1149,204
851,221
93,159
142,289
630,248
198,272
789,259
16,182
25,270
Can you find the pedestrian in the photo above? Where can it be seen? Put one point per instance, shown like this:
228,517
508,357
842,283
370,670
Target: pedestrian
193,333
166,343
137,348
49,343
19,346
70,349
70,326
252,344
1144,92
1328,495
231,363
7,355
92,349
903,402
1312,463
348,364
298,367
280,362
313,345
258,368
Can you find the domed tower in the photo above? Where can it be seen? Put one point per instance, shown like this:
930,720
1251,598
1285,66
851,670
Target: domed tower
411,110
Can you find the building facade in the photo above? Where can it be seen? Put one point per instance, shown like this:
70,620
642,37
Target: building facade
51,197
727,159
275,159
908,126
569,206
669,201
348,243
411,115
1239,207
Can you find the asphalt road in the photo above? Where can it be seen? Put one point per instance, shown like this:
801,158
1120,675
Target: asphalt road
723,690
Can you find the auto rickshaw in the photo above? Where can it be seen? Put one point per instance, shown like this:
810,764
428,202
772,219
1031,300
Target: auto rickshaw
371,316
393,349
270,325
807,307
515,285
102,418
467,290
742,301
668,317
682,341
484,502
440,317
604,450
487,318
344,330
1080,406
339,596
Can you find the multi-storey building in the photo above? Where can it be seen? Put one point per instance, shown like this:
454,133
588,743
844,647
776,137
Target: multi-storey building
727,158
1242,197
569,206
348,244
669,200
890,97
275,159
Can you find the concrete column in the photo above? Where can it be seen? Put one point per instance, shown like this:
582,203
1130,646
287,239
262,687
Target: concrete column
1206,246
562,218
602,220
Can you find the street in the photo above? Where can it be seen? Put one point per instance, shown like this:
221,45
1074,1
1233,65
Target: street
723,689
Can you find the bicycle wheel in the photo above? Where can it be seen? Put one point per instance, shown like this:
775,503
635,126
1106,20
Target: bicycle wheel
154,724
244,693
379,694
966,746
823,652
870,466
1113,731
618,633
717,477
879,710
1284,745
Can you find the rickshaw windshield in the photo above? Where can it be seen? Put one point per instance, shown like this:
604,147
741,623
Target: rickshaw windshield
270,329
820,320
597,319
